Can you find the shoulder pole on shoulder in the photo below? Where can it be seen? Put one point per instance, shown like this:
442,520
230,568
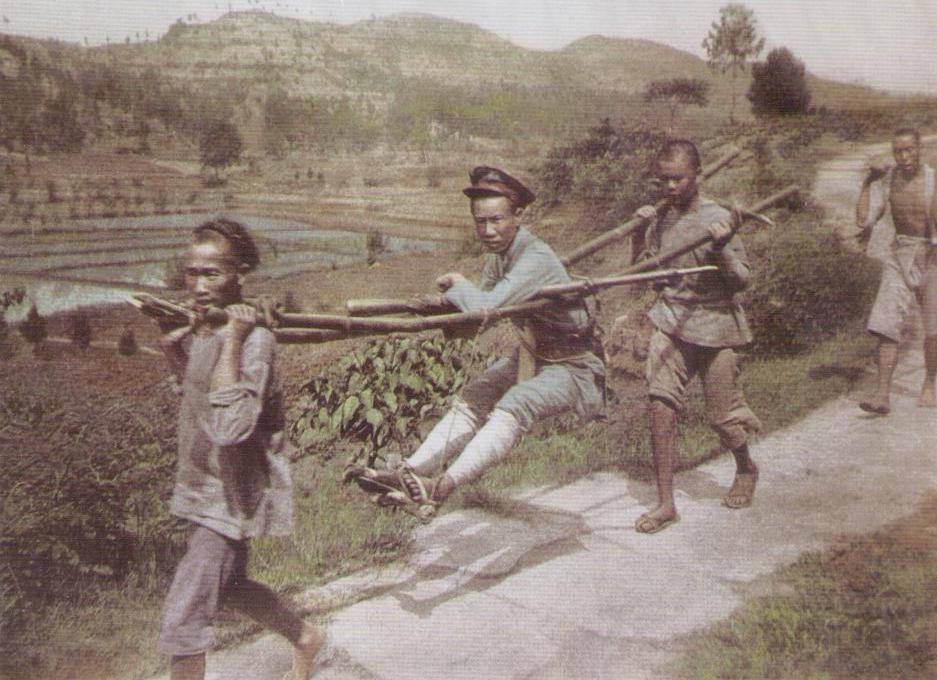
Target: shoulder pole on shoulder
372,307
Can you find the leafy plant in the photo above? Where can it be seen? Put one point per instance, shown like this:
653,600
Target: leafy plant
381,395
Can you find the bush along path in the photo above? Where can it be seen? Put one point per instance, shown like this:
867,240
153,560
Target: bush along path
558,584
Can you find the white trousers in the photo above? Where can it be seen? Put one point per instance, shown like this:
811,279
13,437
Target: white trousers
458,432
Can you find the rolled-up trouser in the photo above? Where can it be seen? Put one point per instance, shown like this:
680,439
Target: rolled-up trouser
672,364
213,572
909,272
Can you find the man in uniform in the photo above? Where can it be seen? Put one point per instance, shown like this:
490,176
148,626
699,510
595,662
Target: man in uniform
557,367
698,322
910,268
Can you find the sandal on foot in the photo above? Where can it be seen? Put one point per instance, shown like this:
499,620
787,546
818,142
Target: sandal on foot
401,488
651,525
742,492
424,510
373,481
875,405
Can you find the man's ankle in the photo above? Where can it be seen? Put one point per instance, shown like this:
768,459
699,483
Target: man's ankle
442,488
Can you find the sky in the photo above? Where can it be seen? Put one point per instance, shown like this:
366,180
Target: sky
889,44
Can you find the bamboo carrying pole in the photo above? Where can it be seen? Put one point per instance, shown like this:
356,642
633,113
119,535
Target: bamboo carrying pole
632,225
317,328
314,328
372,307
663,258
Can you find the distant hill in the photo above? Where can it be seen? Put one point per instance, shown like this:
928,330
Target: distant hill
406,78
323,59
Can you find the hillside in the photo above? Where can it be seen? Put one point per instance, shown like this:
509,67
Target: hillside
322,59
407,79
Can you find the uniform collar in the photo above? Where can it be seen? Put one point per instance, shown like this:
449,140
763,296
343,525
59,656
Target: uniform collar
521,239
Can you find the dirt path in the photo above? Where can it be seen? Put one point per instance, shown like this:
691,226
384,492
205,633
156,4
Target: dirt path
565,588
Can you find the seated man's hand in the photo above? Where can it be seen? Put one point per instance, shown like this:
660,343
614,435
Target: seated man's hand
646,212
447,281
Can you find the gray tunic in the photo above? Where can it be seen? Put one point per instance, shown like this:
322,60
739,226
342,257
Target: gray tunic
233,474
512,277
701,309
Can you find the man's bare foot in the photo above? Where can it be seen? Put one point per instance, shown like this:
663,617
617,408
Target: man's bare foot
927,399
657,519
877,404
304,652
742,492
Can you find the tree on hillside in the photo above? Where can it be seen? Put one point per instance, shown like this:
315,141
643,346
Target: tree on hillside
677,92
8,298
219,145
22,106
285,120
732,42
127,343
61,126
779,85
33,329
79,330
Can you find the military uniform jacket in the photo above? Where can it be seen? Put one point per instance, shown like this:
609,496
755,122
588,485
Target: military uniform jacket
514,276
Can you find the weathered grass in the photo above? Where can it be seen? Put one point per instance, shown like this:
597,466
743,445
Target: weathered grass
335,532
861,610
780,391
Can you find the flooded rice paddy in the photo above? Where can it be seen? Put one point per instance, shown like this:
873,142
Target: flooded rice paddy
100,261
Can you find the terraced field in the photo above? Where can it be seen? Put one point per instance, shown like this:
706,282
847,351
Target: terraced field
99,262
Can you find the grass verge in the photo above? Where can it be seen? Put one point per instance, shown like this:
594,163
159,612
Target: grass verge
864,608
806,381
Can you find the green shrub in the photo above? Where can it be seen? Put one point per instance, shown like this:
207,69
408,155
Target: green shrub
79,330
805,288
33,328
607,169
91,513
380,395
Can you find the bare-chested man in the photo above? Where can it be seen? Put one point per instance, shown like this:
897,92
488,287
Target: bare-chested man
910,270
